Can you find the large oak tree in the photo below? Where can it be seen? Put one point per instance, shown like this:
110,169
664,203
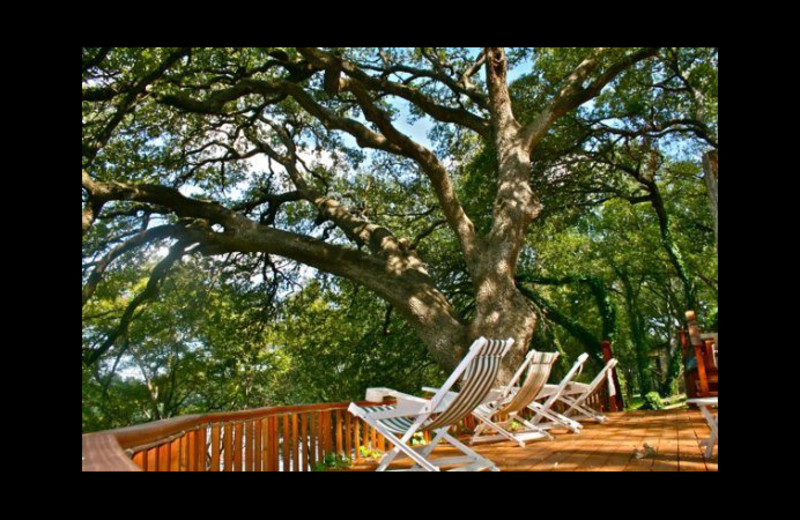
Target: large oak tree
170,137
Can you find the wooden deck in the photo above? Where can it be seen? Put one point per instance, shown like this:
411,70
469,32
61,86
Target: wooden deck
672,434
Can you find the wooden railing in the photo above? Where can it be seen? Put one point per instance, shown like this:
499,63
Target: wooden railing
286,438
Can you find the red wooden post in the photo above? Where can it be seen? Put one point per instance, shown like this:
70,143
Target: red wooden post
698,346
617,403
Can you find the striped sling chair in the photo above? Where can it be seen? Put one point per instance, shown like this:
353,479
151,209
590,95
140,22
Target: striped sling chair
511,400
546,417
576,394
502,415
399,422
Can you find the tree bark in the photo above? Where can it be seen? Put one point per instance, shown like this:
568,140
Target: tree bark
711,176
640,344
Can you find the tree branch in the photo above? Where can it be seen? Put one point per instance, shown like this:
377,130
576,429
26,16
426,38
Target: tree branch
334,65
138,240
133,92
573,94
150,293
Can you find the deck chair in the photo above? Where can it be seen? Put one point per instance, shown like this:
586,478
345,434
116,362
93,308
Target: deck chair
577,393
546,417
512,400
399,422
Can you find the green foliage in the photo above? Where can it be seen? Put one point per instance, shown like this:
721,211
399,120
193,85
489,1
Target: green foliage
333,462
368,453
340,344
417,439
652,401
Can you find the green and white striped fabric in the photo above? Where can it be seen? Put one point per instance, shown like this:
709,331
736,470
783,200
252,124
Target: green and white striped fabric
479,377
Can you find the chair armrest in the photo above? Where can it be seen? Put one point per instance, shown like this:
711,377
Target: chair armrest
546,391
406,404
574,387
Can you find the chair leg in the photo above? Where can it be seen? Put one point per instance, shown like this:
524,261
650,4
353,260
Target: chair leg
478,430
577,405
427,450
486,422
546,413
535,428
713,423
469,452
399,446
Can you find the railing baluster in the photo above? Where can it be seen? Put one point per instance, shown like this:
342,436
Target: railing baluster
157,458
320,418
228,450
338,432
248,453
326,434
357,439
202,449
215,440
304,429
287,443
257,445
312,441
295,443
274,455
152,459
348,440
182,466
381,442
175,455
163,457
238,430
265,443
192,450
138,459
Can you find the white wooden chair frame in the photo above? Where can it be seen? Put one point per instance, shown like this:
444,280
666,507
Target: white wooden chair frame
413,406
546,418
577,393
502,428
704,403
536,427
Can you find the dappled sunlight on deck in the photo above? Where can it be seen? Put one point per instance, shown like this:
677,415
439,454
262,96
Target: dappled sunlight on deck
673,436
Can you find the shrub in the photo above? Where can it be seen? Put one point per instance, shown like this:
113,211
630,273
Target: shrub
652,401
333,462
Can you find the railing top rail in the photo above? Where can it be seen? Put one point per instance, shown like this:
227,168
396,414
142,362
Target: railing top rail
102,452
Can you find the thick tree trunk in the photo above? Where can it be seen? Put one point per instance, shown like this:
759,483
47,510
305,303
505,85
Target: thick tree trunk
640,344
503,312
711,175
434,320
671,247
